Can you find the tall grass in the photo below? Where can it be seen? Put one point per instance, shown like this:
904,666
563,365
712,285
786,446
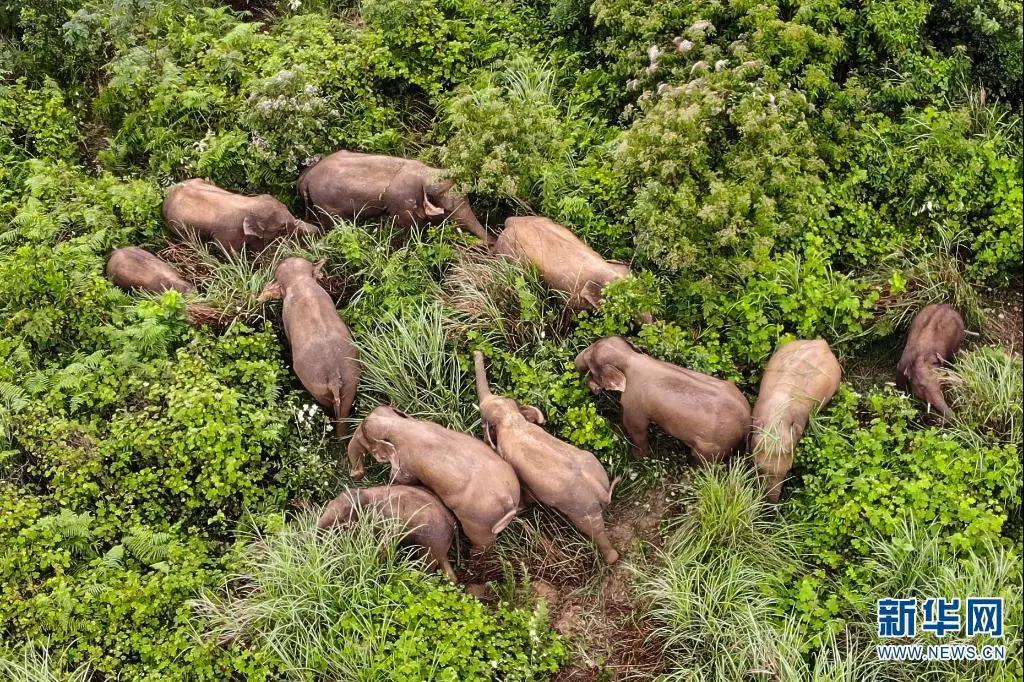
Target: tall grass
711,588
916,562
318,601
33,664
500,300
986,393
934,274
407,361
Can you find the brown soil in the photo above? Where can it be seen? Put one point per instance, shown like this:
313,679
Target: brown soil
1004,318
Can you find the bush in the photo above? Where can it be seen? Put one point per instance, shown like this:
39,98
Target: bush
866,461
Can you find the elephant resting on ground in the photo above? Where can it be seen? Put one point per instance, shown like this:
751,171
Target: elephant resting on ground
565,262
935,336
800,377
709,415
470,478
324,357
553,472
349,184
135,268
232,220
428,523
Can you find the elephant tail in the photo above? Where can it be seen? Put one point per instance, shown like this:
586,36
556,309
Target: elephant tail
504,521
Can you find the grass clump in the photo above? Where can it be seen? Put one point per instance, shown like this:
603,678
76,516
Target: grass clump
347,604
711,588
407,362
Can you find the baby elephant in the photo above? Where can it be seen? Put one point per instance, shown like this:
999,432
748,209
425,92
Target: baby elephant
232,220
801,376
708,414
349,184
551,471
935,336
135,268
471,480
428,523
324,356
564,261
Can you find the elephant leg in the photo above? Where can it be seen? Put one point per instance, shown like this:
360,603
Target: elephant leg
593,527
636,425
479,535
437,557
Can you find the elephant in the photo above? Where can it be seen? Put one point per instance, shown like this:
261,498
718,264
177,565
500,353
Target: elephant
935,336
801,377
349,184
231,220
134,268
551,471
324,356
564,261
427,522
709,415
471,479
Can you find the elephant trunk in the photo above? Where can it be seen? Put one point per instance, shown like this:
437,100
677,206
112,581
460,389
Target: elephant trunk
357,447
464,217
483,391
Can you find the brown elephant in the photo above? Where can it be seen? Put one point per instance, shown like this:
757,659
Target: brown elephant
134,268
565,262
427,522
324,357
231,220
935,336
709,415
349,184
551,471
469,477
801,377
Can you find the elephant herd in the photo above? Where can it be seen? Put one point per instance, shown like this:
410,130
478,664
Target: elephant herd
438,476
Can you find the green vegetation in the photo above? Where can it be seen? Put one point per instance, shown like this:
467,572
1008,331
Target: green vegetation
771,170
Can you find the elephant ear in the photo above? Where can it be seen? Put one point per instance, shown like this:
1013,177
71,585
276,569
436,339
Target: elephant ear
271,292
532,414
612,378
430,209
384,451
251,227
591,294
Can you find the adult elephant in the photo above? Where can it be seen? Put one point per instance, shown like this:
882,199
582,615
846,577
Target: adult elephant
349,184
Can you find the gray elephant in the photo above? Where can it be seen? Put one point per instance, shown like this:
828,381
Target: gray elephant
801,377
427,522
565,262
709,415
134,268
324,357
349,184
551,471
231,220
935,336
469,477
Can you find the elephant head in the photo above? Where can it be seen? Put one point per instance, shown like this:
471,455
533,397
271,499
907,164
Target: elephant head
289,271
604,363
497,410
269,219
342,509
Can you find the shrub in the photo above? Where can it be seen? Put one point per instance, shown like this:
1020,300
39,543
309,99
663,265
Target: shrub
867,461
